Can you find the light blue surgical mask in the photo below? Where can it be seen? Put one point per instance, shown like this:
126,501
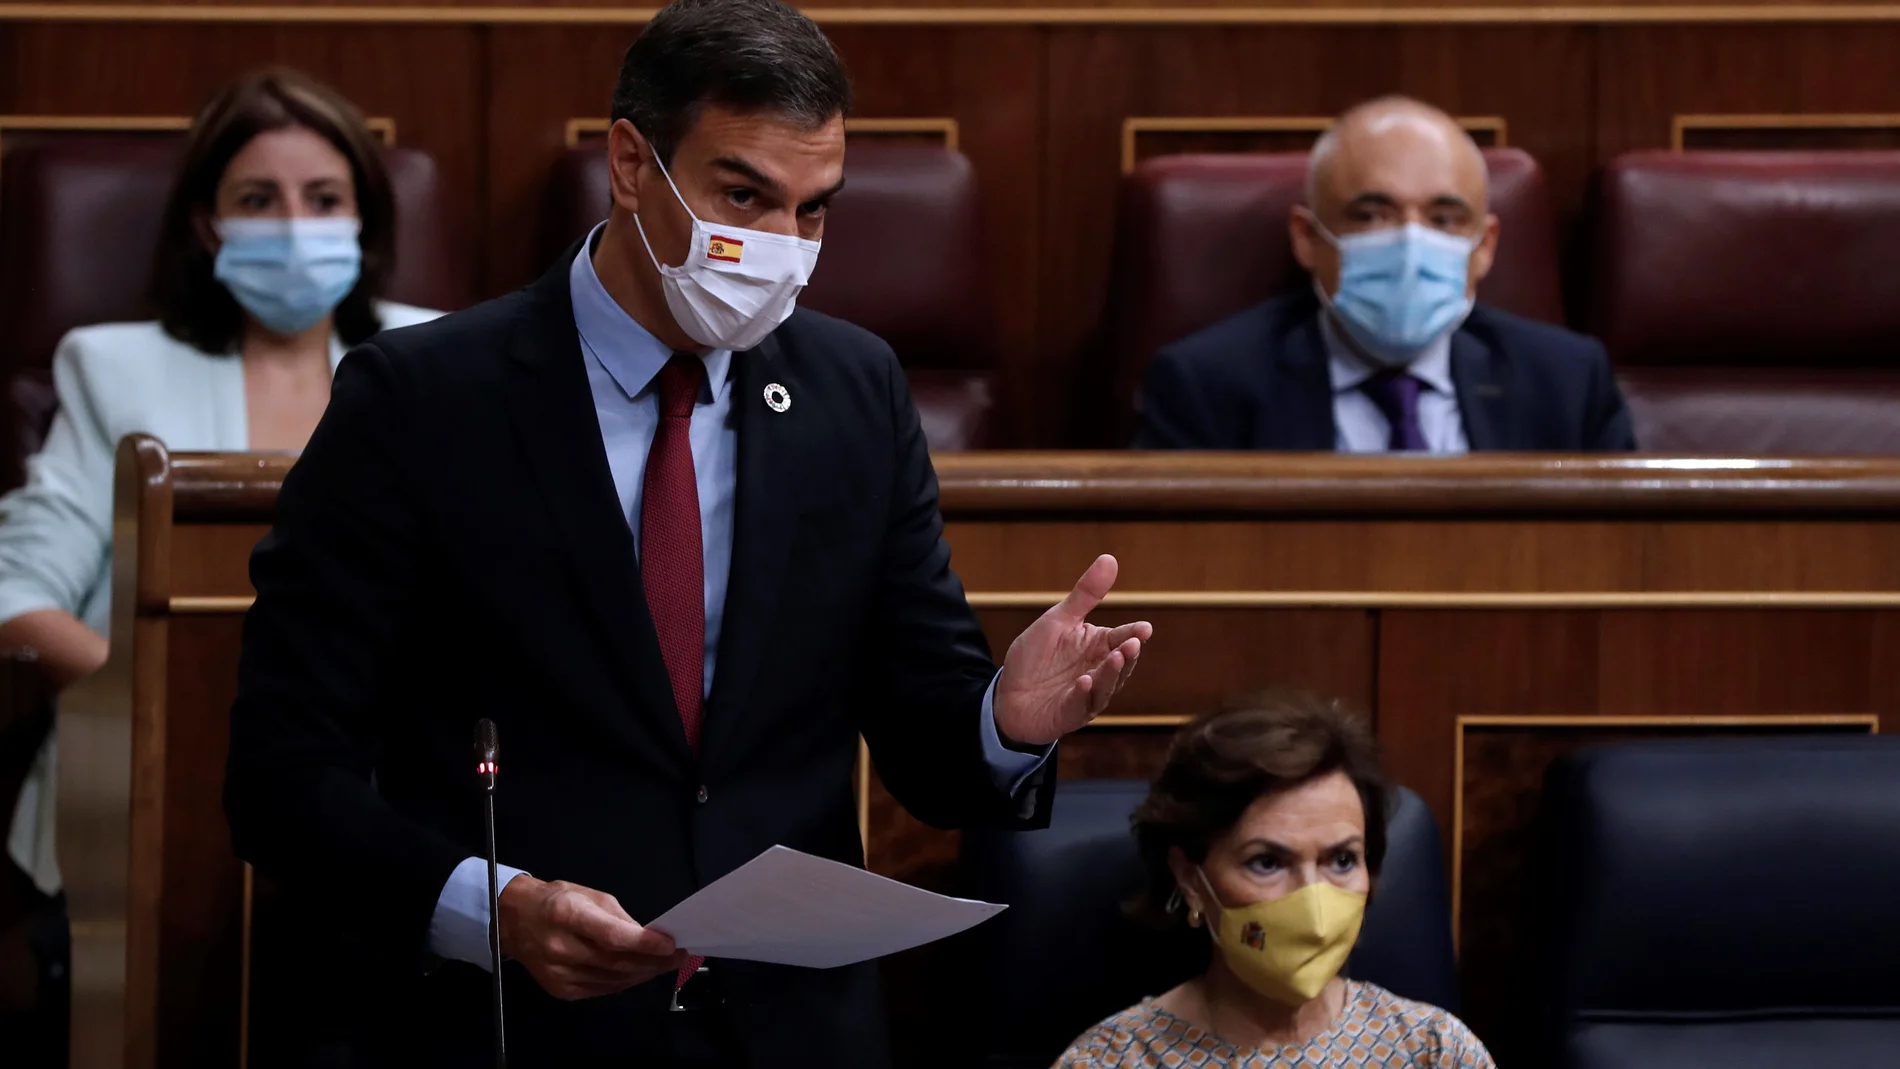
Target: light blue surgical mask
1401,288
288,273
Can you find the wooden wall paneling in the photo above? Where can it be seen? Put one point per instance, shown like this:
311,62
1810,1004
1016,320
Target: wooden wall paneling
539,77
1317,556
1774,669
1537,78
1649,75
425,79
1168,135
202,880
1784,132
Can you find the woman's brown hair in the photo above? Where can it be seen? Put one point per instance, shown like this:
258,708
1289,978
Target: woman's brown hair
1225,760
194,306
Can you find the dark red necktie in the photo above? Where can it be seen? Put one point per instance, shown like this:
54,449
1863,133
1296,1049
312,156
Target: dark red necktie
672,566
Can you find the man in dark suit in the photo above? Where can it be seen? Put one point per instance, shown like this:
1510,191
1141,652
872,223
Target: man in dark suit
1389,351
682,544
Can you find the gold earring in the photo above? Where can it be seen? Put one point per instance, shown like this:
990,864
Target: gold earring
1194,918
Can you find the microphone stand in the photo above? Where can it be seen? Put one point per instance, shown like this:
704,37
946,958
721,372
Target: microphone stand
487,750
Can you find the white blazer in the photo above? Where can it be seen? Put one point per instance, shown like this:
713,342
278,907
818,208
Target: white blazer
56,531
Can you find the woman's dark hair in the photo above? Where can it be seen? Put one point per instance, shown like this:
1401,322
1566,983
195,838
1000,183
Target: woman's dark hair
1225,760
193,306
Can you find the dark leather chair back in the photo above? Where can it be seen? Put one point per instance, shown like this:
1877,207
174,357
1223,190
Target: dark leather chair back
1064,955
79,219
1739,296
1201,237
1724,904
901,259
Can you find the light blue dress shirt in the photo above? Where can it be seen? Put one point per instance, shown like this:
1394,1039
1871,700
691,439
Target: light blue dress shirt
623,358
1359,426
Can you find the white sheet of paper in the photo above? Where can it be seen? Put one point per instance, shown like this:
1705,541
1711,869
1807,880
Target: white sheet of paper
791,908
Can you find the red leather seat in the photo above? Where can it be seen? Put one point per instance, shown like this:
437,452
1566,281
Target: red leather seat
79,218
1746,299
901,259
1201,237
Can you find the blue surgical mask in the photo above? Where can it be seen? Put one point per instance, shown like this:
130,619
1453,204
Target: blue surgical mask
1401,288
288,273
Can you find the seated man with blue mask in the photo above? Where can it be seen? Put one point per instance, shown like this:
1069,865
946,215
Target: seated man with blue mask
1388,353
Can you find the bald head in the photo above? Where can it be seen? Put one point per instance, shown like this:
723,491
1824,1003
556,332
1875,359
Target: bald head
1386,163
1395,144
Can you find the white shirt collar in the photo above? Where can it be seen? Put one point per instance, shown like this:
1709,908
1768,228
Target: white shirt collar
1348,370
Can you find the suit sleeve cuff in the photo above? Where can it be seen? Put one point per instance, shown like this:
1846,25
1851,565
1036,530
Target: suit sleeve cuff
459,929
1009,769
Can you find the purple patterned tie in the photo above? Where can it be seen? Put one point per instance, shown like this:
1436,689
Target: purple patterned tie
1396,395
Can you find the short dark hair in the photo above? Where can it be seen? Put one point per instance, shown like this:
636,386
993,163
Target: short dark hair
1225,760
750,55
193,305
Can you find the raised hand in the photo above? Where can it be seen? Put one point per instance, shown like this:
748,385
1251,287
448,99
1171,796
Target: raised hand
1060,673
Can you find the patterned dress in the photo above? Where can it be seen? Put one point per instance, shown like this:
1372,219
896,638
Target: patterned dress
1375,1030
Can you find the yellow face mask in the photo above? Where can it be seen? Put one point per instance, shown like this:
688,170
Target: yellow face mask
1288,948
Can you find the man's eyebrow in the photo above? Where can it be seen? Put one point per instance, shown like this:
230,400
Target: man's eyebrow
751,174
836,188
1448,200
1368,199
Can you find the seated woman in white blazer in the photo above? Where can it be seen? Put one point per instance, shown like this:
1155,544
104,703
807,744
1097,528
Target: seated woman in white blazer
276,241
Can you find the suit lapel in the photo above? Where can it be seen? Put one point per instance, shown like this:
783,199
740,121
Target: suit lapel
765,520
1481,394
1299,410
553,411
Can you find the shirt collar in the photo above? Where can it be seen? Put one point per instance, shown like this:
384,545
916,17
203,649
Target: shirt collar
629,351
1349,370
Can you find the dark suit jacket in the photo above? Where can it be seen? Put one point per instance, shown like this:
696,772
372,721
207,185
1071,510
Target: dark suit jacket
450,547
1258,380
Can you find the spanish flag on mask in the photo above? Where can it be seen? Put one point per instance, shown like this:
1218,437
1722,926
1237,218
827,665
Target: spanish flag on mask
729,250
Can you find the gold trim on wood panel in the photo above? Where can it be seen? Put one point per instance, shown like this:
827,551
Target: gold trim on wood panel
1145,720
1869,721
382,126
863,786
1452,599
1681,125
943,126
209,604
1480,15
1134,126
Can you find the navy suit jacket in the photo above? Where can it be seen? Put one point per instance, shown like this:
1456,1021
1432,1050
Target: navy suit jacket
1259,380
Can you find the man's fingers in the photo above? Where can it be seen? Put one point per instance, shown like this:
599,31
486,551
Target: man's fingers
1091,588
1140,630
1131,655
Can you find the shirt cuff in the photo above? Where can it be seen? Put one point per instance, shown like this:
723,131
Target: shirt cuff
459,929
1008,768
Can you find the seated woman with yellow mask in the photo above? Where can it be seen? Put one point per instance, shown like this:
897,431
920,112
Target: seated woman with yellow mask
1268,827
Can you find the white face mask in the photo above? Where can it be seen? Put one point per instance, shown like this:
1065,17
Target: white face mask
736,285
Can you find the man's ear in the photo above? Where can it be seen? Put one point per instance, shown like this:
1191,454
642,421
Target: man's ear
1483,255
627,152
1299,226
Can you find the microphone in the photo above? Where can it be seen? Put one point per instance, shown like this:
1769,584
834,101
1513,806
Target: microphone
487,750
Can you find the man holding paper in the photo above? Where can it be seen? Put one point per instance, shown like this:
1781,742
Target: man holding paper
681,543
